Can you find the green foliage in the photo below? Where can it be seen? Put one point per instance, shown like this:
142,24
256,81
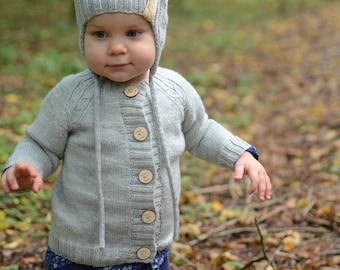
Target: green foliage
11,267
5,149
26,213
234,265
52,63
196,211
8,54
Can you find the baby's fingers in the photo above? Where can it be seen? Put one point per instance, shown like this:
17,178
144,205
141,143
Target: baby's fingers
25,170
28,176
9,182
261,183
239,171
22,176
37,184
268,189
264,188
254,183
5,185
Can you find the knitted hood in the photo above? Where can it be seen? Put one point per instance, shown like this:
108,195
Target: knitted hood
154,11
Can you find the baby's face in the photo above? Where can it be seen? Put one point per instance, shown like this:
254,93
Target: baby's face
120,47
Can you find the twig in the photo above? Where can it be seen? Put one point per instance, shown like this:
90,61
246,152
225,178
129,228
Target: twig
299,229
309,198
247,265
30,250
188,262
213,189
271,263
235,230
330,253
232,189
277,200
272,230
308,208
264,257
276,211
221,231
220,228
319,221
287,255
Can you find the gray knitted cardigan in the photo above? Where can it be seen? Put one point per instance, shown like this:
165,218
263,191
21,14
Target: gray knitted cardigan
116,198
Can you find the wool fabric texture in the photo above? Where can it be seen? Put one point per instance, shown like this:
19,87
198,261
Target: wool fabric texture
64,130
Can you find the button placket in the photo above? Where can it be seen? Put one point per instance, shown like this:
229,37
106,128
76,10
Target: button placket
135,110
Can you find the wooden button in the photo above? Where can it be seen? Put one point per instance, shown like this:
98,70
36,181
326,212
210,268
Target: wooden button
148,217
141,133
131,91
143,253
145,176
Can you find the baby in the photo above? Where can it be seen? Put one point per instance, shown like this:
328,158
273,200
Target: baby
120,128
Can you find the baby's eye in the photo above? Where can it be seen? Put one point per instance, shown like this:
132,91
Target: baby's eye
100,34
132,33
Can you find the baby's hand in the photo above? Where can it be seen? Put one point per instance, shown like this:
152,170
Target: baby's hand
22,175
259,179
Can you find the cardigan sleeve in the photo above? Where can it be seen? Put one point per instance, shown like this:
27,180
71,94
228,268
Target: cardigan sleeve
45,139
206,138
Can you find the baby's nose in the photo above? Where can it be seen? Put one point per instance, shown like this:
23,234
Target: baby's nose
117,46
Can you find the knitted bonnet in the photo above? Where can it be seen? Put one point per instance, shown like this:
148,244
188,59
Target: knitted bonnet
154,11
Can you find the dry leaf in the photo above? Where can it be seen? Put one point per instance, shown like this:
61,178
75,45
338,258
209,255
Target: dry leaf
291,241
190,229
217,206
14,244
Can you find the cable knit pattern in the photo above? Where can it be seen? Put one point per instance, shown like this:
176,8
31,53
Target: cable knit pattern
65,130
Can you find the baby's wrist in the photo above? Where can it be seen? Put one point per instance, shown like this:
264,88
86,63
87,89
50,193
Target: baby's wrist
5,170
253,151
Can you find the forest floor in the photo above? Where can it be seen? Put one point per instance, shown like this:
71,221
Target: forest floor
282,93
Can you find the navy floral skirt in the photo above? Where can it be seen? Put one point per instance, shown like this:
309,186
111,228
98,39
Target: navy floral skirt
56,262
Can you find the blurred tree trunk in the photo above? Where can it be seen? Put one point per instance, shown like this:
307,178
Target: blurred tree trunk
286,5
283,7
72,11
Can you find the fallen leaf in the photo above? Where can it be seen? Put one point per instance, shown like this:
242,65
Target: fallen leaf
217,206
14,244
291,241
324,210
190,229
291,202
